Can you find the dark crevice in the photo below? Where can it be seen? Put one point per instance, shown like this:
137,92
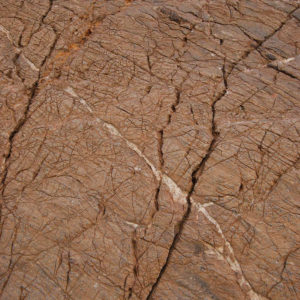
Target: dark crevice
241,187
49,54
270,56
248,35
48,10
130,293
19,43
124,288
135,267
174,105
196,174
32,94
156,201
68,271
259,43
198,170
169,119
22,121
224,76
161,162
12,135
179,227
193,114
160,147
195,177
148,89
173,245
23,293
44,16
161,132
282,71
149,63
15,62
172,15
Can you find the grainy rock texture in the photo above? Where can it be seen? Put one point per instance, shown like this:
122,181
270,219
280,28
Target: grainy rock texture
149,149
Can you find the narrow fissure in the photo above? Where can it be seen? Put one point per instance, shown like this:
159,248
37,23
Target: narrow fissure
68,271
135,267
196,174
282,71
160,147
258,45
156,201
22,121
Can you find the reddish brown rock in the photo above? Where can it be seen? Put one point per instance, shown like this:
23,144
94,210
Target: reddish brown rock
149,149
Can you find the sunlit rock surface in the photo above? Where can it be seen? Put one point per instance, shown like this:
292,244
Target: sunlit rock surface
149,149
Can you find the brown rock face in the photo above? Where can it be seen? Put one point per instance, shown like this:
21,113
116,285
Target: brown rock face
149,149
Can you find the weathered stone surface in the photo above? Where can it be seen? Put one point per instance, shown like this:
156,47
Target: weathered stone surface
149,149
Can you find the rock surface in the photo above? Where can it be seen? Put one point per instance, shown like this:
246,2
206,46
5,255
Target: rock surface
149,149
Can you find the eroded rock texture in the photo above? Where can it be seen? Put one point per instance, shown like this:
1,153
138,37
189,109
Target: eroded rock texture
149,149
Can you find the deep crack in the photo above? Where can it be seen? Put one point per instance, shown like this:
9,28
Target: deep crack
22,121
196,174
282,71
257,46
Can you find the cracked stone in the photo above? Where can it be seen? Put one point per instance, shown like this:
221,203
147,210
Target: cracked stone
149,149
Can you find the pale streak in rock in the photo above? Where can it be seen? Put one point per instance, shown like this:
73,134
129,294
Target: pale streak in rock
71,92
18,50
31,64
134,225
276,62
233,263
180,196
285,61
2,29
